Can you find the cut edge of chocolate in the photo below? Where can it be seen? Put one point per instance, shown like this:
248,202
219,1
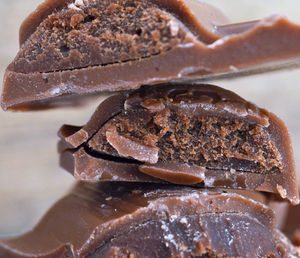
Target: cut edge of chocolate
282,183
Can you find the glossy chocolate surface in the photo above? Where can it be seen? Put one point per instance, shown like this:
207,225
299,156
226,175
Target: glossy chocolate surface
235,144
144,220
190,31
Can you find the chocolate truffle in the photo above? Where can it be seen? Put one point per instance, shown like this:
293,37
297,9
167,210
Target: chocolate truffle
84,46
183,134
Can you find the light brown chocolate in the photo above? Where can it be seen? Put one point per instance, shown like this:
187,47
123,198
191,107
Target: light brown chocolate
144,220
169,40
184,134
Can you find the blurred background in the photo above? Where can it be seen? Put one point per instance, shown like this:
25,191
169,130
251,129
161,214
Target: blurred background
30,178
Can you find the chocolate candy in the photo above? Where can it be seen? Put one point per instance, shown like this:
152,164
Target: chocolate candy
144,220
83,46
183,134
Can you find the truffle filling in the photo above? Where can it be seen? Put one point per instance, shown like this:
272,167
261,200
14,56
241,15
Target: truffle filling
99,33
207,141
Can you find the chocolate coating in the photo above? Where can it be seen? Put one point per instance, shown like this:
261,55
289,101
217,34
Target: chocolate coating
144,220
184,134
291,225
122,52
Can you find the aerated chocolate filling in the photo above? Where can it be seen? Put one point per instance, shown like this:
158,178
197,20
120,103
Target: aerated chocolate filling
207,141
98,33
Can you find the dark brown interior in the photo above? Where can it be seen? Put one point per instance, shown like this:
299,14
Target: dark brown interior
208,141
100,33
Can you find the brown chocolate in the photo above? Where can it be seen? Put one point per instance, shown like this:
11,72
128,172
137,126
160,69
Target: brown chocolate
291,225
184,134
144,220
83,46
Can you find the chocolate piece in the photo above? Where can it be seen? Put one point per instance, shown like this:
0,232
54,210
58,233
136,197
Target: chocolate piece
143,220
91,46
182,134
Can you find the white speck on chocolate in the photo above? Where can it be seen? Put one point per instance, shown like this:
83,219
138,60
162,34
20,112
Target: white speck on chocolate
55,91
174,28
281,191
79,3
183,220
209,182
73,6
173,218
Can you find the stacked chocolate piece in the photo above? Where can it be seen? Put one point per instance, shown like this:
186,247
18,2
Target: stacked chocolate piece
172,169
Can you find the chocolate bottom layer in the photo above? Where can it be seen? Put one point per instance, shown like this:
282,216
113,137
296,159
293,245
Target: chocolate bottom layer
146,220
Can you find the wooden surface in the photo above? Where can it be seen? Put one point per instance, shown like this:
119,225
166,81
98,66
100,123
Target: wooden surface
30,178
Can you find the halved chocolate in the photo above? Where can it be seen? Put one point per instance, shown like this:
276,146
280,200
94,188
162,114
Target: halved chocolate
146,220
184,134
84,46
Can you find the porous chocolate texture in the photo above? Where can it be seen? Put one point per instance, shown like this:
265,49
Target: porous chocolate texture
199,134
84,46
143,220
99,33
